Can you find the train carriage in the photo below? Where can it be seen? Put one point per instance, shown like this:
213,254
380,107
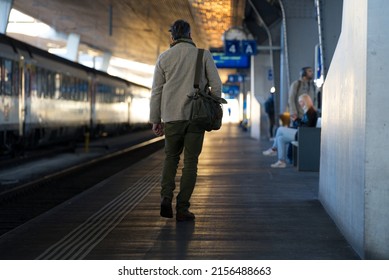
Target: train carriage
110,107
10,88
57,100
138,105
46,99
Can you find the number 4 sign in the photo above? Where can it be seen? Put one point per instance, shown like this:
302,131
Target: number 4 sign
232,47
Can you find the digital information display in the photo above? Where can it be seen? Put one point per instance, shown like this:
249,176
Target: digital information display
231,61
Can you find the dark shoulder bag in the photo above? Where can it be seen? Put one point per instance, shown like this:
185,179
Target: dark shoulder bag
207,110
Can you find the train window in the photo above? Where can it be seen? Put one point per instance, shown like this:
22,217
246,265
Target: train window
65,87
15,79
77,89
110,94
50,79
1,76
69,88
104,93
27,81
83,89
100,93
76,93
69,91
86,90
7,78
72,88
57,83
33,81
41,82
38,82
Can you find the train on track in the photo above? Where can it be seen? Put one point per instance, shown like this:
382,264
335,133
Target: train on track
46,99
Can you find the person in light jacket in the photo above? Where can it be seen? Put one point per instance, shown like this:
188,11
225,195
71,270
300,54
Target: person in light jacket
170,112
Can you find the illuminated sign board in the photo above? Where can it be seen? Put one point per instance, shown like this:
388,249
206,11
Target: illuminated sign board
231,89
231,61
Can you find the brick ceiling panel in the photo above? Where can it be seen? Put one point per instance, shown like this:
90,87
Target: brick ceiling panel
139,27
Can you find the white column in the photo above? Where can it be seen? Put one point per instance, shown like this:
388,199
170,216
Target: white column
5,9
253,104
72,46
261,83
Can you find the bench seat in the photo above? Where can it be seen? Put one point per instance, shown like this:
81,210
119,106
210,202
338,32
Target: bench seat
306,151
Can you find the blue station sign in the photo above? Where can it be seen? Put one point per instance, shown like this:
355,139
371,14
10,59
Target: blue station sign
231,61
243,47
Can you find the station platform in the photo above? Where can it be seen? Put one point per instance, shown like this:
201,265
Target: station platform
244,210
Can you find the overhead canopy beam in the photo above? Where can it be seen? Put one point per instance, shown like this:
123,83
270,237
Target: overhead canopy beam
268,48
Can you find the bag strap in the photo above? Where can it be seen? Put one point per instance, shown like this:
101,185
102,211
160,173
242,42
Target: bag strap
199,65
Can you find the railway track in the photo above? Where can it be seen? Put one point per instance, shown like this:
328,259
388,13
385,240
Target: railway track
24,202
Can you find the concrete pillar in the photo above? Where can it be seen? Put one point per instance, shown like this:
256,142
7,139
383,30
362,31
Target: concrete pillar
5,9
72,46
284,85
254,105
262,79
354,163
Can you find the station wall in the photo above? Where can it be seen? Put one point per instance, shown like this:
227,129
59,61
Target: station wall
354,180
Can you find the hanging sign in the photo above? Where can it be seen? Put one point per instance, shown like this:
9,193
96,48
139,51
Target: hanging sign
243,47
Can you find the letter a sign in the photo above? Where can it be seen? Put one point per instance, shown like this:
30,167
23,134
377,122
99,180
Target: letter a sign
249,47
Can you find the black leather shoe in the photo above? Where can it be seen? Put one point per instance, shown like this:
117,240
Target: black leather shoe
185,216
166,208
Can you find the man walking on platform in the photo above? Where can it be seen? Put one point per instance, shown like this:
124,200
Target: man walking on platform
173,82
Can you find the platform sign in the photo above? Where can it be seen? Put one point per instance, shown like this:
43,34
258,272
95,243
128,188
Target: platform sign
232,90
231,61
235,78
232,47
318,62
249,47
270,75
244,47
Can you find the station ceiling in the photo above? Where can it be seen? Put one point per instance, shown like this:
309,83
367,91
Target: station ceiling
138,29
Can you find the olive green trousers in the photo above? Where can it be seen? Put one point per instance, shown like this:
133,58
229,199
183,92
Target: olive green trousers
181,136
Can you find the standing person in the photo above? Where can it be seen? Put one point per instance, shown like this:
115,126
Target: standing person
170,111
269,109
285,135
303,85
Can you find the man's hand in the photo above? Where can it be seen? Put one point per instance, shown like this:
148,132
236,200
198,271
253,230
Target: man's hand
158,129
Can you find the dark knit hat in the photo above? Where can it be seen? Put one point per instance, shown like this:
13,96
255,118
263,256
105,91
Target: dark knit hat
180,29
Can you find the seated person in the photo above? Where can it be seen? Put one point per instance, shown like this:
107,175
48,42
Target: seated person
285,135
